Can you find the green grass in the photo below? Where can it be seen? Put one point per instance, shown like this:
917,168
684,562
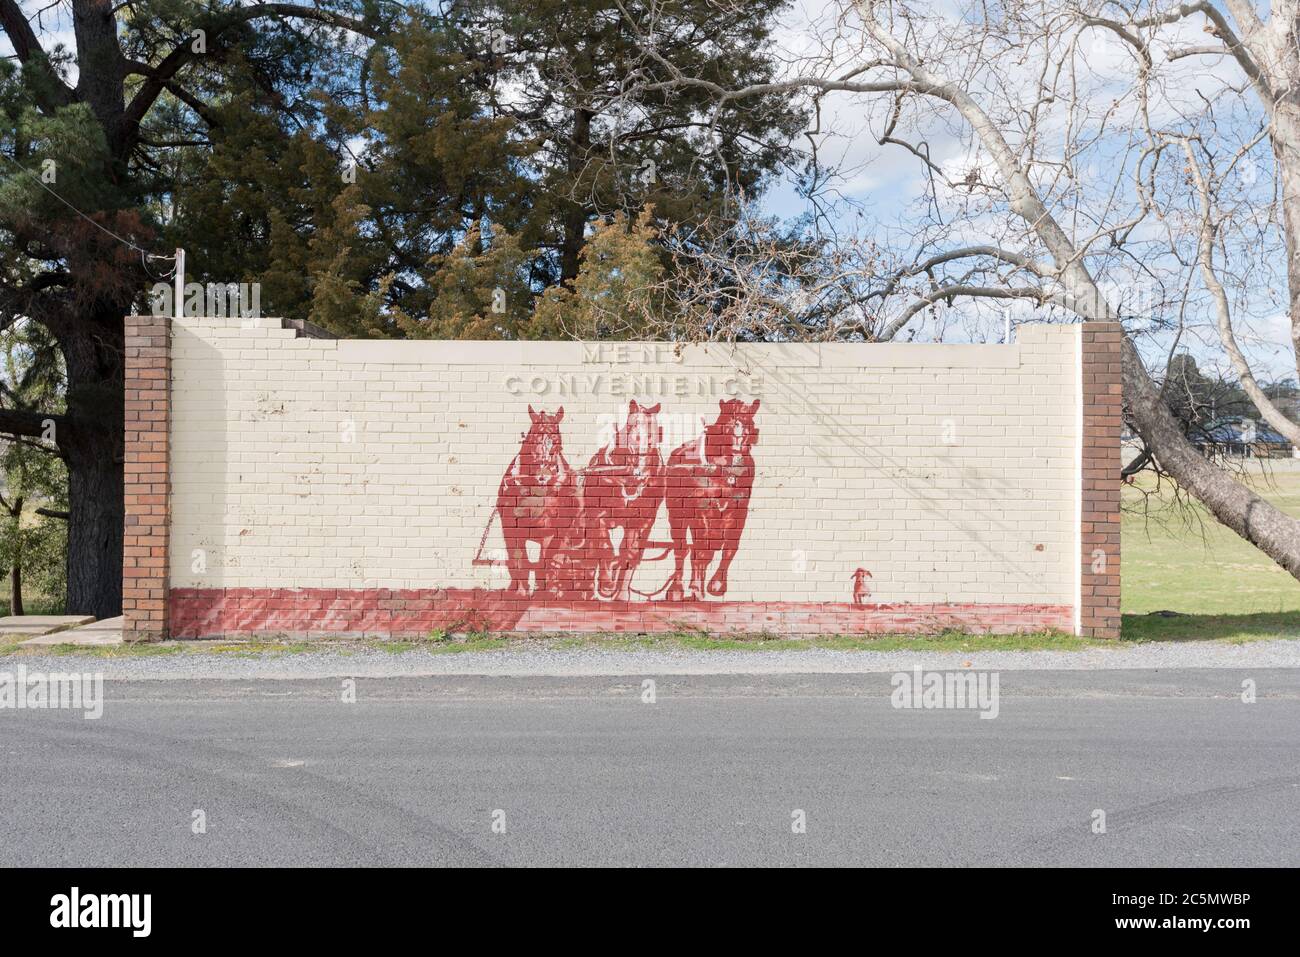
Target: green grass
136,650
1231,628
1176,558
9,643
34,605
947,641
693,641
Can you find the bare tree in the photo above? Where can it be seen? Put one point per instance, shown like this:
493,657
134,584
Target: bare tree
1090,148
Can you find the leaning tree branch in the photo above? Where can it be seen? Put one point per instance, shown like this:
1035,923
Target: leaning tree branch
20,32
678,78
201,109
977,292
1010,256
22,422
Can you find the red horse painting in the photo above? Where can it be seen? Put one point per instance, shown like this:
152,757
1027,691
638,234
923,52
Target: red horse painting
709,482
622,488
538,501
592,526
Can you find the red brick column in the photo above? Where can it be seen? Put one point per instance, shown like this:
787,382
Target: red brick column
147,488
1103,395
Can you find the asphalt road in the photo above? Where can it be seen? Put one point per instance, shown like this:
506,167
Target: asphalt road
710,774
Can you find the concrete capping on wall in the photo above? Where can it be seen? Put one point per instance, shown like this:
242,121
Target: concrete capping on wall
1102,390
897,355
146,485
308,330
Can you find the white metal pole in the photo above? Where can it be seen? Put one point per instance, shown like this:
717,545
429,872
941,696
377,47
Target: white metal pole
180,284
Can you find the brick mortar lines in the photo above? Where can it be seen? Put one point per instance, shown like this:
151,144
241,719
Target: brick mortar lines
146,481
150,408
1102,397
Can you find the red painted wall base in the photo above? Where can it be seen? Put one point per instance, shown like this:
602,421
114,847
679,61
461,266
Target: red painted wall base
392,613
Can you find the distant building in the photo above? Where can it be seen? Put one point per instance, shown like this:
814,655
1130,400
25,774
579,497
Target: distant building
1241,438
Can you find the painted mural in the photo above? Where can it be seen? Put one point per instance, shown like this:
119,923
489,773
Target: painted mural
648,488
590,528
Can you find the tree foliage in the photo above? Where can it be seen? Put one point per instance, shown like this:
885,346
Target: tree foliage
34,496
479,150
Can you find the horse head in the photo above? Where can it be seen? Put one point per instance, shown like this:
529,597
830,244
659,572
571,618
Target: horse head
542,451
641,433
733,433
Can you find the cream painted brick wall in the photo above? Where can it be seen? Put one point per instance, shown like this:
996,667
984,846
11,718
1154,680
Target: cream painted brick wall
948,471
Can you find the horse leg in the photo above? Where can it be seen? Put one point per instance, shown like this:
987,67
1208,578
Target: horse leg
564,564
517,560
606,563
677,529
566,558
543,577
611,577
701,556
704,538
718,583
584,568
630,552
730,535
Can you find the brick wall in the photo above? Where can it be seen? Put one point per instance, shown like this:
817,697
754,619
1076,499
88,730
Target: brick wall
390,488
1103,397
146,487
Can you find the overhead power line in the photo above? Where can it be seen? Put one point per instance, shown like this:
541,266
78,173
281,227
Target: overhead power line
145,255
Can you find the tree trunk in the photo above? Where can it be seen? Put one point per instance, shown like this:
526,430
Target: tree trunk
101,69
95,534
575,219
1274,49
93,450
1286,149
16,572
16,588
1270,530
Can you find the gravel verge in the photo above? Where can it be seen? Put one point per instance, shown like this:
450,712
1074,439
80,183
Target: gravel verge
574,662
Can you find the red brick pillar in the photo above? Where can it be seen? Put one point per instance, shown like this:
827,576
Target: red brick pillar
1102,397
147,489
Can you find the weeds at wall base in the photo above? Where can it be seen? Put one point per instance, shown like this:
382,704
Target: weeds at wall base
1138,629
439,642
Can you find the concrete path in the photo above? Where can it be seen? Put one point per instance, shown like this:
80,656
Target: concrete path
585,771
107,631
41,624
